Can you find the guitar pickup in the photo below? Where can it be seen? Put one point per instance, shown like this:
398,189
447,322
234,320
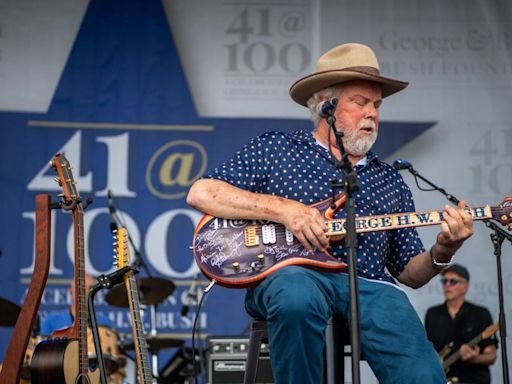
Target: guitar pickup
251,236
268,234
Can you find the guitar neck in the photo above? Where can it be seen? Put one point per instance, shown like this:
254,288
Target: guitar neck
139,339
456,356
337,227
80,304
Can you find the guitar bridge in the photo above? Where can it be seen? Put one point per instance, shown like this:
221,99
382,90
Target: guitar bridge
251,236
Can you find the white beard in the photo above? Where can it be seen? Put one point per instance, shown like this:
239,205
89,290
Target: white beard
356,145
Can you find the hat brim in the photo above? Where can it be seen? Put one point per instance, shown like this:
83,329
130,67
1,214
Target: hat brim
304,88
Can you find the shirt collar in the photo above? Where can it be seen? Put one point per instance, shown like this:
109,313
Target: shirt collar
303,136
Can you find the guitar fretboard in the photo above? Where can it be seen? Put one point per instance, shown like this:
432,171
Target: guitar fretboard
80,300
400,220
141,347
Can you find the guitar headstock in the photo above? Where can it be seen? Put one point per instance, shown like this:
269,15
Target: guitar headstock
122,252
490,330
69,195
503,212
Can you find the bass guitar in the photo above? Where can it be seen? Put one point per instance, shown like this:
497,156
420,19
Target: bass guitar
453,358
63,358
122,259
241,253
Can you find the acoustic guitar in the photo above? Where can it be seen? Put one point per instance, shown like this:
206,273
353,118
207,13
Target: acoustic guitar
122,259
63,358
453,358
241,253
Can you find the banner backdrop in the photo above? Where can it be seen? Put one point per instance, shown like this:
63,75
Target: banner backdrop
144,96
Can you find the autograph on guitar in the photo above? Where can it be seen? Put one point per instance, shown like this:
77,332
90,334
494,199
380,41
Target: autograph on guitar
63,358
241,253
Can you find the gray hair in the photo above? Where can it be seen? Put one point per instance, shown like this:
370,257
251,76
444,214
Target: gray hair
326,93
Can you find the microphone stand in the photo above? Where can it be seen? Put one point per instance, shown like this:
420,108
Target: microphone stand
350,185
497,237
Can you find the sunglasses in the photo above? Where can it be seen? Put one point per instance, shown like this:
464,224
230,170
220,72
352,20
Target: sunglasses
451,282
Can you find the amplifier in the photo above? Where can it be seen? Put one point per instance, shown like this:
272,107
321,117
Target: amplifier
227,357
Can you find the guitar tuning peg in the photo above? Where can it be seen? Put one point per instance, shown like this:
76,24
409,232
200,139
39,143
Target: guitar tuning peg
115,243
60,195
57,180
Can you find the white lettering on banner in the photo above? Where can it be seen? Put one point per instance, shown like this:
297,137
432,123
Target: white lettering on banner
53,296
155,242
491,169
53,269
169,320
89,217
72,149
117,165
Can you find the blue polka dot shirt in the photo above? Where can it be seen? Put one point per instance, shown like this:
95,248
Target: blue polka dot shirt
295,166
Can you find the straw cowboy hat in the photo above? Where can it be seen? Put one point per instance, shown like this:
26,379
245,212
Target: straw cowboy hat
344,63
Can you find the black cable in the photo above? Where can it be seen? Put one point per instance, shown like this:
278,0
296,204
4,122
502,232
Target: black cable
194,327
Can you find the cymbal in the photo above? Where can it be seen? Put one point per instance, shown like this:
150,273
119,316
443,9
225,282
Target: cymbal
9,313
152,290
155,343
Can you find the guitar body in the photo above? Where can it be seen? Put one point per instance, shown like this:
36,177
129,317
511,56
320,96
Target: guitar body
56,361
241,253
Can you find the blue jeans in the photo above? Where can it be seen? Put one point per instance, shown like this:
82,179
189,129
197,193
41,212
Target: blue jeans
297,302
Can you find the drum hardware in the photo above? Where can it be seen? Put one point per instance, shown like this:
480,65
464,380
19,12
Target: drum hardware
153,290
109,339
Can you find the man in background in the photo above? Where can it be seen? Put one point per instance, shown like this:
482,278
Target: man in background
452,325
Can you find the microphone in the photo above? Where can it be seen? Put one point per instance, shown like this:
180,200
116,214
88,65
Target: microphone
400,164
112,212
191,295
326,108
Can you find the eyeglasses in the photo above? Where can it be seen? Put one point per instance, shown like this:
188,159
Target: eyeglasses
451,282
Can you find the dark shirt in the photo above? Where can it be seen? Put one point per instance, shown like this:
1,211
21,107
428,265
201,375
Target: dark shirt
294,166
470,321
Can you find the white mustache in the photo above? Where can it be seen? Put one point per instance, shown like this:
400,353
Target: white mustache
367,124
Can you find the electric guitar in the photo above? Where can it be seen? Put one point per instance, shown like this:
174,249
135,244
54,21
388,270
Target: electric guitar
122,258
241,253
450,360
63,358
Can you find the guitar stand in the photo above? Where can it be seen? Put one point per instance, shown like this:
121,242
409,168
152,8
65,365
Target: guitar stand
104,281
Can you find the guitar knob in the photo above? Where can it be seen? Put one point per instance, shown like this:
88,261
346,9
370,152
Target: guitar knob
261,258
236,266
